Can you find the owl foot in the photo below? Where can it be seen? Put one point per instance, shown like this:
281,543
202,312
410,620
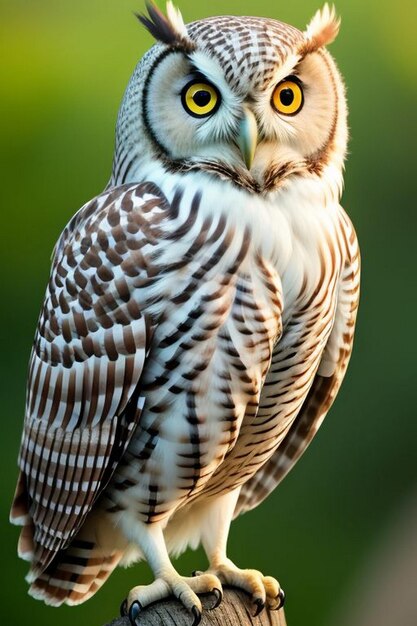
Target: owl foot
265,590
185,589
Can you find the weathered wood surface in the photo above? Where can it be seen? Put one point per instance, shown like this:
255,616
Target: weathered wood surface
236,609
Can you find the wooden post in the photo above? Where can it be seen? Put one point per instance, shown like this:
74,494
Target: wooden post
236,609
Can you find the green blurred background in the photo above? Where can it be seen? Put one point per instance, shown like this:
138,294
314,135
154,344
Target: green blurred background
64,65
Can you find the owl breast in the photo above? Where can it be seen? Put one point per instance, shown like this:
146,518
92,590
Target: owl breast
243,309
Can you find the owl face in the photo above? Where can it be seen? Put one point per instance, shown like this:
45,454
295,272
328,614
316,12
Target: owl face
242,96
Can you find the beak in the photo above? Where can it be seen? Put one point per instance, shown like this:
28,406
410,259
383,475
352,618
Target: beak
247,138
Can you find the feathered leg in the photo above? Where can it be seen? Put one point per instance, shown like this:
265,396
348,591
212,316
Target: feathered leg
150,539
215,531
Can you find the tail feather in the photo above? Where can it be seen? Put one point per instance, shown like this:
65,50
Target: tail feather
19,513
25,545
75,574
70,575
20,516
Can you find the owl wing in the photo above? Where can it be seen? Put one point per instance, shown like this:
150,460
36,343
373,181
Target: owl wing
325,385
83,394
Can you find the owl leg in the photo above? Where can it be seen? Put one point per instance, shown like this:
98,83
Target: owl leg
150,539
215,531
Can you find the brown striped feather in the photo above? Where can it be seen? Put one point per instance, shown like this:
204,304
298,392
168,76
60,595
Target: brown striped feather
324,387
80,382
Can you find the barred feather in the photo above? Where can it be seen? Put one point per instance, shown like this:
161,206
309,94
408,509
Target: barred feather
324,387
86,362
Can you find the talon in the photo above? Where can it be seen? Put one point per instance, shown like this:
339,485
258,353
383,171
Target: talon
123,608
260,605
219,597
134,612
280,600
197,615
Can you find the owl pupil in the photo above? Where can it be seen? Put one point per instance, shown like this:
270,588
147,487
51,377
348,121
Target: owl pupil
286,96
202,98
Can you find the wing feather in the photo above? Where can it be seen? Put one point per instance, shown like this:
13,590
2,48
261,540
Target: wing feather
88,356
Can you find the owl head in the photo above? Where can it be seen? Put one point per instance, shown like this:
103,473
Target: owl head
248,100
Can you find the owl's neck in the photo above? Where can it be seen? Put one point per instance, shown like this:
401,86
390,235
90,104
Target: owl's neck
278,179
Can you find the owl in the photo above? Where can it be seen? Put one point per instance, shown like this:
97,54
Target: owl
199,315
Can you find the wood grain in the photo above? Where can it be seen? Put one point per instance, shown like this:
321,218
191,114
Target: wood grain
235,610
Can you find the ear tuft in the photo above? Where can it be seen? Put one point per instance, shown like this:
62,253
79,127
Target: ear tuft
169,29
323,28
175,18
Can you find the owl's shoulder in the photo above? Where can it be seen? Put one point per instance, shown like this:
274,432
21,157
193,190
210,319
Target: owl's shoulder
118,212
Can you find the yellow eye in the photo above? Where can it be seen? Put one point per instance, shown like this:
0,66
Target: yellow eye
200,99
288,97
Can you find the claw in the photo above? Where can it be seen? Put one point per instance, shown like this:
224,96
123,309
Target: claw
134,612
197,615
123,608
260,605
280,599
219,597
196,572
